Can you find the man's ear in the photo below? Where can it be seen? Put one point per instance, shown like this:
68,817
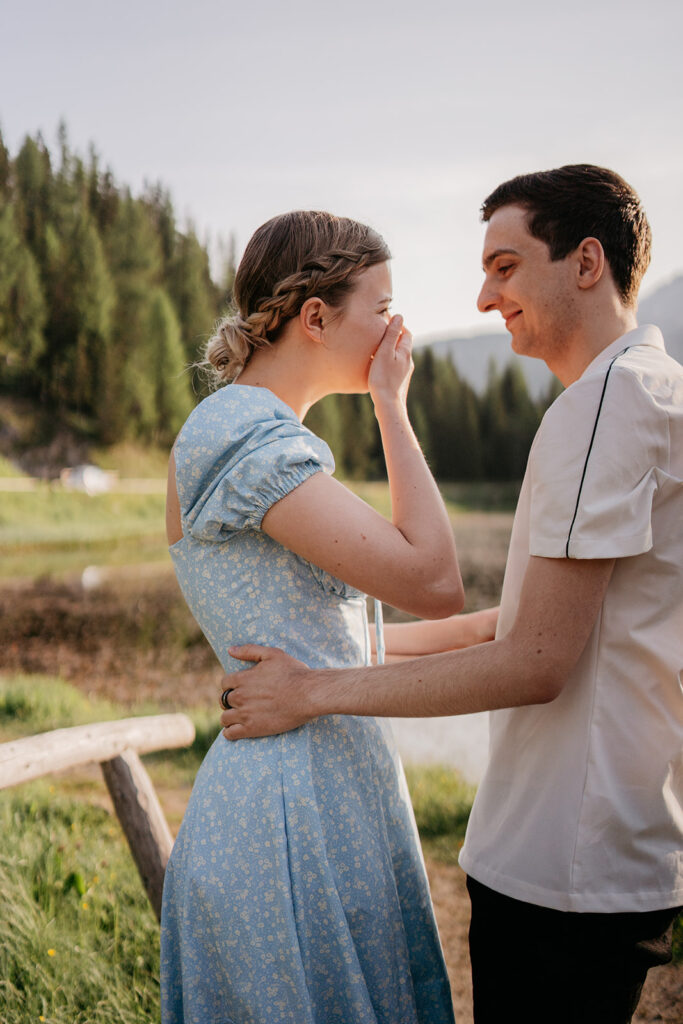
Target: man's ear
590,263
312,318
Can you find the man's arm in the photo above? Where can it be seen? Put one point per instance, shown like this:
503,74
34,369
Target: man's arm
558,607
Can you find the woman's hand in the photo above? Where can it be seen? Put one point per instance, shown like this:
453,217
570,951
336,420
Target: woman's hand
392,364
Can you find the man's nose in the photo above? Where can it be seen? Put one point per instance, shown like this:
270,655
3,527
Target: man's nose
488,298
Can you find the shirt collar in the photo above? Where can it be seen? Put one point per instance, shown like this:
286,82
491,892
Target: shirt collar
646,334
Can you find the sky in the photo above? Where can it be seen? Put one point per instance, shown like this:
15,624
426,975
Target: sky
403,115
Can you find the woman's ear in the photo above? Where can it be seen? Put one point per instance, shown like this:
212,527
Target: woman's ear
312,318
590,263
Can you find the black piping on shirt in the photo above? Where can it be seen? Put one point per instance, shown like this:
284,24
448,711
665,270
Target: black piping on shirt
590,446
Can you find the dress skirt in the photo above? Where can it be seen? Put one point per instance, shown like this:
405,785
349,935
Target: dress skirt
296,890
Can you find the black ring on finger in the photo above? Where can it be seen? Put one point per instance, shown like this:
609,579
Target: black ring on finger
224,699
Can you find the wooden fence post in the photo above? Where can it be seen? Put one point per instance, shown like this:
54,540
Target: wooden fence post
142,819
114,745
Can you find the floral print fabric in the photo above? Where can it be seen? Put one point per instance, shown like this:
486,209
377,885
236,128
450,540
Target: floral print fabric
296,890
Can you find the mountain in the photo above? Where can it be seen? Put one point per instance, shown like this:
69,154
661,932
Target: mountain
472,353
664,307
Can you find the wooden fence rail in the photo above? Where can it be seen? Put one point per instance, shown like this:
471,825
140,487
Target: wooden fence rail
116,747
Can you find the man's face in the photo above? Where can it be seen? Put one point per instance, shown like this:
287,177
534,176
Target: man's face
535,295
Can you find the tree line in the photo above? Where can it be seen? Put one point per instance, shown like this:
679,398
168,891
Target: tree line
103,299
105,302
464,435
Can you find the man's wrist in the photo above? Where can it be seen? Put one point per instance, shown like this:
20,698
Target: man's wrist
321,692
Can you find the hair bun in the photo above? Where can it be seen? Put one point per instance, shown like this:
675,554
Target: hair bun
229,348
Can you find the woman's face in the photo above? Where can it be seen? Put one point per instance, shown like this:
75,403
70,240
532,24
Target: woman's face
352,337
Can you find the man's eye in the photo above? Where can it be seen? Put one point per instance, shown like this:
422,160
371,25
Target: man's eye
504,269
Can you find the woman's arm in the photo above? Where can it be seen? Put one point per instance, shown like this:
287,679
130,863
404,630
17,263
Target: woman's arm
413,639
409,562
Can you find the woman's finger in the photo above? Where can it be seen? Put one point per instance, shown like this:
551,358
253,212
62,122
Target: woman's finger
405,341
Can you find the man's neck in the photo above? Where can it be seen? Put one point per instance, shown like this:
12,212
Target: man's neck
589,340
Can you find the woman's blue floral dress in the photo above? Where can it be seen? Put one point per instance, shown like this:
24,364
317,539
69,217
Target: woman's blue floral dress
296,889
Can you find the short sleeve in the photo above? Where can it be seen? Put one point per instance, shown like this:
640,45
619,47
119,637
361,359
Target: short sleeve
231,468
594,469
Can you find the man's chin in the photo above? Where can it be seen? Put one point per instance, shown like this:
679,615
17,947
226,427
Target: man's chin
522,347
517,344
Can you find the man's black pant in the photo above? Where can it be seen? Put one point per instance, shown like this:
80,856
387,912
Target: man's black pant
545,966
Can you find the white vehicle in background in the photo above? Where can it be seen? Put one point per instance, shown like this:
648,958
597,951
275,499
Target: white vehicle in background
88,478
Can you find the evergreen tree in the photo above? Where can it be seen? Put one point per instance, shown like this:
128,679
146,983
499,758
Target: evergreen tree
82,299
227,281
553,391
194,294
102,194
32,172
135,261
5,168
360,441
22,308
522,418
324,419
173,397
97,289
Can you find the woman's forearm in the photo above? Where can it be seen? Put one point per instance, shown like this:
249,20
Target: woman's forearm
417,508
430,636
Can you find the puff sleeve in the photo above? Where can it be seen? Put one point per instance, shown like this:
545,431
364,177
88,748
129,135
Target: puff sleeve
595,466
233,463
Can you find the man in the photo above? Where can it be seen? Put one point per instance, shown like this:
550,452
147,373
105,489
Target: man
573,852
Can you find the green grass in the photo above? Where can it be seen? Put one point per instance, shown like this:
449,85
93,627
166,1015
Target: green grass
8,469
442,801
132,459
53,516
31,704
79,943
51,531
481,496
78,939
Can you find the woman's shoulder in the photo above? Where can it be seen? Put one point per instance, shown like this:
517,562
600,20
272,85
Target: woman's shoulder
235,408
242,433
234,418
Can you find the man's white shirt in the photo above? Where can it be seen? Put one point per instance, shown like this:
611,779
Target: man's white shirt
581,806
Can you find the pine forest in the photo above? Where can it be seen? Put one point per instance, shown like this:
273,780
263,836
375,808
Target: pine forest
105,302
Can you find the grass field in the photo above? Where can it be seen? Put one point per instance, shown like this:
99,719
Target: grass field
52,531
78,940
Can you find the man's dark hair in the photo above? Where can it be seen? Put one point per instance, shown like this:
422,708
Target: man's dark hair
583,201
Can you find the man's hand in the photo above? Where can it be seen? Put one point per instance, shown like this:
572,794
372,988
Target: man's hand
271,697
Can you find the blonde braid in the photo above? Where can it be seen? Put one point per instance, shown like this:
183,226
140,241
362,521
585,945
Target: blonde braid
237,337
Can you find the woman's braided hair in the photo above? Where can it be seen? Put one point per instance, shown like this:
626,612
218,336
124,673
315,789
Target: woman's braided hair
289,259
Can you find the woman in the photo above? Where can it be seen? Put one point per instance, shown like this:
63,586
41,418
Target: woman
296,889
